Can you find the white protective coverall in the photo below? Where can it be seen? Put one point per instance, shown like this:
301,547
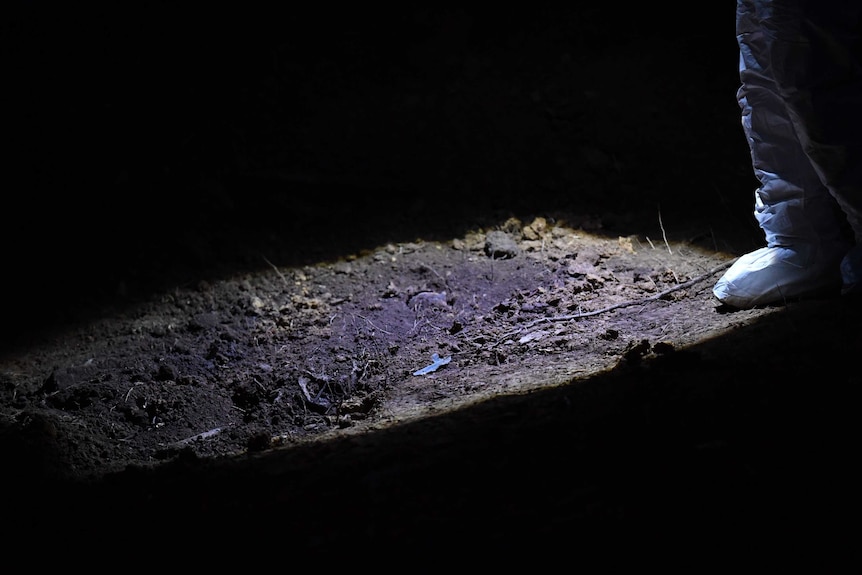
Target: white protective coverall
800,67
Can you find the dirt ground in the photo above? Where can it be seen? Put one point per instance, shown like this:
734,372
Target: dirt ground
438,281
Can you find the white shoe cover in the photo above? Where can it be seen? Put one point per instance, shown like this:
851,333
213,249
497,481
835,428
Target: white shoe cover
771,275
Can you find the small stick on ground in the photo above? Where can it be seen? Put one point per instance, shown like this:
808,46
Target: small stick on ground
281,275
620,305
663,233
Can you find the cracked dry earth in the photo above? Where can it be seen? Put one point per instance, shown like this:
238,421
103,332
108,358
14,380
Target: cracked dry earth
267,359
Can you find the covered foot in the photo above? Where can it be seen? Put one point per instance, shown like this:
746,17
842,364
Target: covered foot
774,274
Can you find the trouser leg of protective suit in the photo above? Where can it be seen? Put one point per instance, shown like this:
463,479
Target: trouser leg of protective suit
833,136
794,97
824,95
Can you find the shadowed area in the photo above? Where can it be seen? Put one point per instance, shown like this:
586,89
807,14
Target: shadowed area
159,149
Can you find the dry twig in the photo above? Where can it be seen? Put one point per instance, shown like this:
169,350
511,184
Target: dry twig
620,305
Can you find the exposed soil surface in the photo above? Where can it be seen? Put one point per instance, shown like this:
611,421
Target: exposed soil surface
277,356
436,280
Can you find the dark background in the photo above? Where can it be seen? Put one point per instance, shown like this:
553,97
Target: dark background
151,145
